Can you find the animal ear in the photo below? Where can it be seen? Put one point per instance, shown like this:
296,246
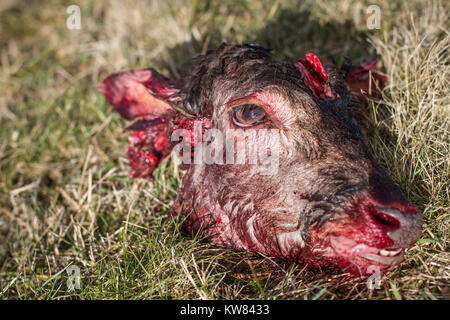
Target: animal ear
140,93
151,97
363,80
315,76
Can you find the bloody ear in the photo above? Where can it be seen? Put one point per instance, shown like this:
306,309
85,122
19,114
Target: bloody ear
153,98
150,96
315,76
139,93
362,80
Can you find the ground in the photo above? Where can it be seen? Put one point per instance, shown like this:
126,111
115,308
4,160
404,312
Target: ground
66,199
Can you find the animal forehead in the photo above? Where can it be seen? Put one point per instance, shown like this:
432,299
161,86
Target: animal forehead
244,63
212,86
281,79
227,54
239,71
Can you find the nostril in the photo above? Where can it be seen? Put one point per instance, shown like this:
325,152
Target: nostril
386,216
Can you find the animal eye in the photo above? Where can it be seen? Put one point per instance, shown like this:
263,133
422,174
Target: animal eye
248,115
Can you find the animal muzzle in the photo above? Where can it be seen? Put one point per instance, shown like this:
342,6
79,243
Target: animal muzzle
400,219
402,227
384,224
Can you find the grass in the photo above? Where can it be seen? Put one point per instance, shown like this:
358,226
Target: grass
66,199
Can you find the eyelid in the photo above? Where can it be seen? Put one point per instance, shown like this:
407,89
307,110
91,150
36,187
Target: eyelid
246,100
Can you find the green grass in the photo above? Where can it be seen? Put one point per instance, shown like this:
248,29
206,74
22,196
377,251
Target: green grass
65,197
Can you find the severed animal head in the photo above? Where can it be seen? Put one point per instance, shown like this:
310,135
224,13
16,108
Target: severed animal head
312,191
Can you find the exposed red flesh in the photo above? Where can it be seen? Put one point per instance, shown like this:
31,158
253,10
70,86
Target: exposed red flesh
147,148
315,75
362,80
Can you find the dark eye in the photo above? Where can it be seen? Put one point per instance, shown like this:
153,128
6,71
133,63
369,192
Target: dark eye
248,115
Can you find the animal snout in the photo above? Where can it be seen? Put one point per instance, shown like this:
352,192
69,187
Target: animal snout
402,223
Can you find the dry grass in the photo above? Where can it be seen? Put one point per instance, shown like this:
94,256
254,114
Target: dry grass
65,197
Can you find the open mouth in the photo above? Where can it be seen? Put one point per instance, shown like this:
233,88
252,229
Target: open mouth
349,248
390,257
